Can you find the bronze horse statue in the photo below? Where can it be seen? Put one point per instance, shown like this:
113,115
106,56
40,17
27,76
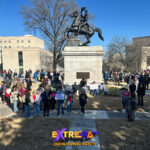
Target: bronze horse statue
79,28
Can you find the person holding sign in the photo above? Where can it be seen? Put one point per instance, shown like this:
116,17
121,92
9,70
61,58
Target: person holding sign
60,97
94,88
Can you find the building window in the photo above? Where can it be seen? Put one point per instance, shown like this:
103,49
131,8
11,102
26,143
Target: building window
9,41
17,41
20,58
0,41
22,41
9,46
5,41
28,41
5,46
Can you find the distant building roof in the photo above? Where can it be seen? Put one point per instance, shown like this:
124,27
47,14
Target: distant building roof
141,37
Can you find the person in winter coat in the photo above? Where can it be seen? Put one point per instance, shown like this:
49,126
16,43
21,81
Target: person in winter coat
52,100
60,97
35,76
130,105
27,104
3,88
45,98
82,100
83,83
22,92
132,88
7,95
36,97
141,93
29,83
8,82
19,84
69,101
4,75
14,99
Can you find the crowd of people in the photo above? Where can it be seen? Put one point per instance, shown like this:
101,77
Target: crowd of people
119,77
137,85
51,91
17,89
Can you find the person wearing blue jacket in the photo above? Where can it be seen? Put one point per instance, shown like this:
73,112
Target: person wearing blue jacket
35,77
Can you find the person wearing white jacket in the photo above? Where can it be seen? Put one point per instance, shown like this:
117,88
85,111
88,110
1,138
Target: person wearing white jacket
14,99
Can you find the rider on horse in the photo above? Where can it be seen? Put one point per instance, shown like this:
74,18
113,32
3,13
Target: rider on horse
84,19
80,26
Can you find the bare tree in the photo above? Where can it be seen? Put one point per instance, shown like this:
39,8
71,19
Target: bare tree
116,52
50,18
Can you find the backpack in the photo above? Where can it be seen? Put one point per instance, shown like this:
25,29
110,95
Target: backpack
8,92
53,95
70,97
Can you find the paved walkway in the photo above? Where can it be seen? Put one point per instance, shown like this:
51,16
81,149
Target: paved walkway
84,125
6,111
147,92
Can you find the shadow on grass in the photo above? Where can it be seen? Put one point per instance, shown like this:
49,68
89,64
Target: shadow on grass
124,135
32,134
108,103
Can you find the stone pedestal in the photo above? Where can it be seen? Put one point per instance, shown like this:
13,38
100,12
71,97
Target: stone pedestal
82,62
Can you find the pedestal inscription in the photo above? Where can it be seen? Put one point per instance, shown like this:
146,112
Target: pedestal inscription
81,75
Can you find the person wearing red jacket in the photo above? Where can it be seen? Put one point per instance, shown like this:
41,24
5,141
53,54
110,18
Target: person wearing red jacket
7,95
22,95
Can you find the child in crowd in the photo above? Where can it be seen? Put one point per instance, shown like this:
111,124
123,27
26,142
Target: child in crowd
69,101
82,100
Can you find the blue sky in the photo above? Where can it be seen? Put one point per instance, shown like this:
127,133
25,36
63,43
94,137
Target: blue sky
129,18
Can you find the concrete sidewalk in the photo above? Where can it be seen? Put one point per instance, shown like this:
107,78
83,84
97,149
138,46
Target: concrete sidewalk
6,111
89,114
86,125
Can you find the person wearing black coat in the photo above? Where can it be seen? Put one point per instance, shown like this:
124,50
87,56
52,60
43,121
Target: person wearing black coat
141,93
132,88
29,83
46,99
82,100
27,104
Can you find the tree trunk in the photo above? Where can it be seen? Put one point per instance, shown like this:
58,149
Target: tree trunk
54,56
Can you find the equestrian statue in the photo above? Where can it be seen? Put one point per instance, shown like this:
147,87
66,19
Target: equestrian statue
80,26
